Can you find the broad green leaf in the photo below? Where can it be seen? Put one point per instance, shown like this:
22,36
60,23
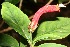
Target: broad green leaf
52,30
61,1
15,18
51,45
22,45
6,40
12,1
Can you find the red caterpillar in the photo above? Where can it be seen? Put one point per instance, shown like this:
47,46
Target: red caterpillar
44,9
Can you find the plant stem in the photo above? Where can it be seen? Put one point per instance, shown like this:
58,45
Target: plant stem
67,3
49,2
30,41
5,30
1,24
20,4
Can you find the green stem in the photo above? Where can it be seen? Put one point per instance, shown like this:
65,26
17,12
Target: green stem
30,41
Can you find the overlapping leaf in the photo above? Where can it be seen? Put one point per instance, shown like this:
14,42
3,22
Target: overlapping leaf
61,1
52,30
15,18
22,45
6,40
51,45
12,1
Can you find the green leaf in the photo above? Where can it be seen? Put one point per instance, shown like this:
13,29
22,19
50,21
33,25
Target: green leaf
22,45
51,45
15,18
6,40
61,1
12,1
52,30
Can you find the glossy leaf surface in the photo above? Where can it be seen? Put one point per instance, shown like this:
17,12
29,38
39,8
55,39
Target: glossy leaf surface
16,19
52,30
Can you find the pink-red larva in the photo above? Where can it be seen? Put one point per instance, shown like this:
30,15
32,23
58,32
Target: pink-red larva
44,9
